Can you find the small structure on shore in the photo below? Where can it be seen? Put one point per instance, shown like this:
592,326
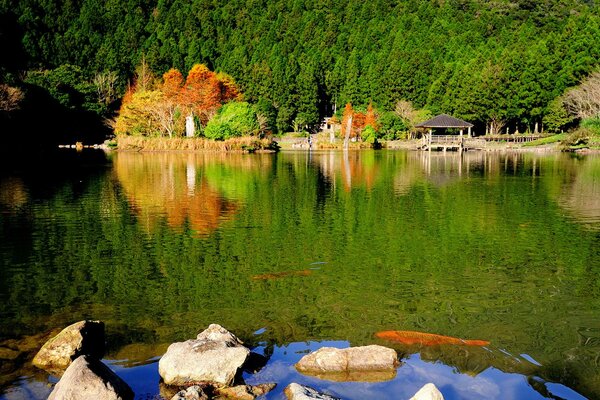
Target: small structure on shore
444,121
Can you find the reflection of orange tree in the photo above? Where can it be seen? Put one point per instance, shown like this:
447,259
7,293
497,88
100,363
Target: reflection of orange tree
160,187
13,193
358,169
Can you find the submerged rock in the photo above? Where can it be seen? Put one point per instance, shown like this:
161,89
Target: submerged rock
192,393
246,392
348,364
428,392
81,338
88,378
295,391
215,357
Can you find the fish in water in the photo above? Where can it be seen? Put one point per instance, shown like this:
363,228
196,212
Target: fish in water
277,275
426,339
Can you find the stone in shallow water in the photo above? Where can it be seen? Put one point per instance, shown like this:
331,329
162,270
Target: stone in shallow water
341,362
214,357
295,391
246,392
428,392
81,338
192,393
88,378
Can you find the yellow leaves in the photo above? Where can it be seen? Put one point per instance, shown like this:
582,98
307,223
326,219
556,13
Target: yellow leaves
161,111
138,116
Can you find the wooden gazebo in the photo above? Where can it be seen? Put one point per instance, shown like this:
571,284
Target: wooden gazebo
445,121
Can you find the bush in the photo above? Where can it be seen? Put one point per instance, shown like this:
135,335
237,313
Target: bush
392,127
593,124
369,135
578,139
232,120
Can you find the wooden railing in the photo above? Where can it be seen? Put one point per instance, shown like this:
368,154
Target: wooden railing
446,139
452,141
510,138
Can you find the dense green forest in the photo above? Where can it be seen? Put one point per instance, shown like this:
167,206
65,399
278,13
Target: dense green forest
501,62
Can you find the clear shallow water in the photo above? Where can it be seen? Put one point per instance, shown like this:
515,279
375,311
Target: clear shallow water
295,251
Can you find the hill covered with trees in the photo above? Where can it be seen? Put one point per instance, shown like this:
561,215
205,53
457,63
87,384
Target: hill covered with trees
501,63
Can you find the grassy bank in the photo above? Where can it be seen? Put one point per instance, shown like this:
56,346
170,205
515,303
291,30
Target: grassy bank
246,144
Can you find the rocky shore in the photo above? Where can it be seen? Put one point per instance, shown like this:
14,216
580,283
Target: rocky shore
207,367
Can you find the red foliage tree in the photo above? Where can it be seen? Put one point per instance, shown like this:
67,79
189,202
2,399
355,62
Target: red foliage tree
172,83
370,117
201,92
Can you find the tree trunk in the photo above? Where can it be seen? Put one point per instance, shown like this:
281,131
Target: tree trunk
348,129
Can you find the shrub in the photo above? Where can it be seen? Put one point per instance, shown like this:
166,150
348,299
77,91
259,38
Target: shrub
369,135
579,138
392,127
232,120
593,124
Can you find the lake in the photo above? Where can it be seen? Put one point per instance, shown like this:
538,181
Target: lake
297,250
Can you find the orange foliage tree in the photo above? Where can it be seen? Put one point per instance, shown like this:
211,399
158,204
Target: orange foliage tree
201,94
357,124
172,83
370,117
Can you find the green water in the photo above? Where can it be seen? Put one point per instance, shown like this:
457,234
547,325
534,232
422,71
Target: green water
307,248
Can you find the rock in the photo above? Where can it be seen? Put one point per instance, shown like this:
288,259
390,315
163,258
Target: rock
81,338
89,378
215,357
295,391
9,354
216,333
329,360
246,392
428,392
192,393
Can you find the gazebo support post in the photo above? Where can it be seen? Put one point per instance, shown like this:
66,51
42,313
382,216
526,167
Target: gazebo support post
429,139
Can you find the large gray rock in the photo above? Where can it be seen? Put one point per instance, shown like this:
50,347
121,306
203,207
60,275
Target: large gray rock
329,360
214,357
88,378
81,338
295,391
428,392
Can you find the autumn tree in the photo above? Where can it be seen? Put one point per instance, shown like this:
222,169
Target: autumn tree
172,84
347,118
583,101
10,98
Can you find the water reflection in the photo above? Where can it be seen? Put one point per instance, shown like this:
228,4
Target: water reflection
188,189
313,247
13,193
580,192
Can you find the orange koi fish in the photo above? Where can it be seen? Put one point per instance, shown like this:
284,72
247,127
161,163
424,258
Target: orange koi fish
426,339
277,275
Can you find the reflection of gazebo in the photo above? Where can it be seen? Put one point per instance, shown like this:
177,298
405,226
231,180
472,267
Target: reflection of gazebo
444,142
444,121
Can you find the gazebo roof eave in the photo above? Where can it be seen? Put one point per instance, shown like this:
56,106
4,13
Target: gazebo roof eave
444,121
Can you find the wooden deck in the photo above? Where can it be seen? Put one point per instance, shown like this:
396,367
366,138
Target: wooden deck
451,142
462,143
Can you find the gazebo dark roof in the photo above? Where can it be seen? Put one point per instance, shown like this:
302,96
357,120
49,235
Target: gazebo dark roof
444,121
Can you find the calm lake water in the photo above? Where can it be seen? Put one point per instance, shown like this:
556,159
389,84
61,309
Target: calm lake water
295,251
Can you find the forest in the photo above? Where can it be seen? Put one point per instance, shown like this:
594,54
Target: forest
501,64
